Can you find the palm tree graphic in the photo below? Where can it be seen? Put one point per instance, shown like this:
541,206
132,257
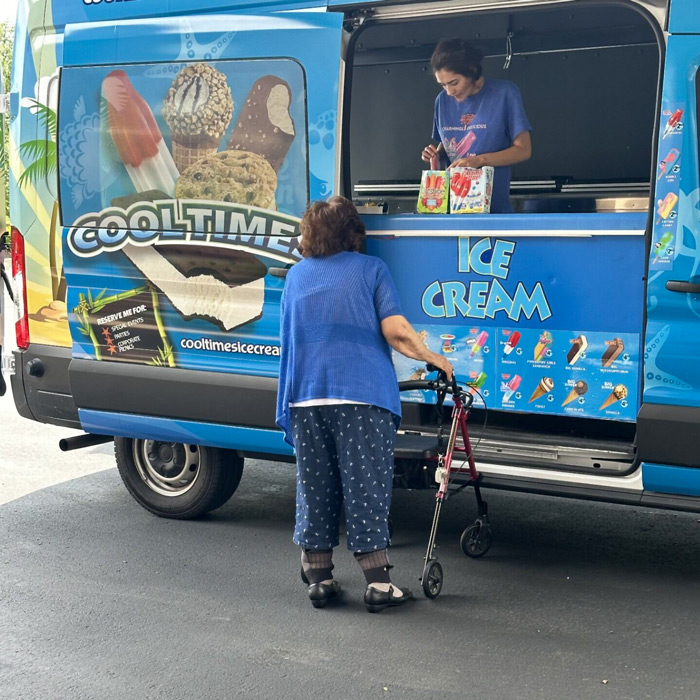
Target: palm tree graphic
42,153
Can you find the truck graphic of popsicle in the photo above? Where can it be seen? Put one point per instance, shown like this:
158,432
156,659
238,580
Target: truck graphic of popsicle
661,246
510,387
666,206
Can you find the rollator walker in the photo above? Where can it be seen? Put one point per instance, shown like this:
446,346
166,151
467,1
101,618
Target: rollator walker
477,538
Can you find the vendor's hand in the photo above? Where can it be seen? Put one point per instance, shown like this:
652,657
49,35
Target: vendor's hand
441,363
429,152
469,162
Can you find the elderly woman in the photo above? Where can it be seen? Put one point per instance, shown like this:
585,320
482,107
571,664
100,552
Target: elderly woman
338,400
478,120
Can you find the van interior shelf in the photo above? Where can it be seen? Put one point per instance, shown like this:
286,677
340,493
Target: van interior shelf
554,195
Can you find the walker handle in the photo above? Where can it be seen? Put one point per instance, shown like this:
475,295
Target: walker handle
442,376
419,384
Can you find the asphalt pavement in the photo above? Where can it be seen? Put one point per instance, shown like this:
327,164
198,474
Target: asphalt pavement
100,600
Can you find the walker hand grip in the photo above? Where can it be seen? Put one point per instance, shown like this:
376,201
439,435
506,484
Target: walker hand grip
419,384
442,377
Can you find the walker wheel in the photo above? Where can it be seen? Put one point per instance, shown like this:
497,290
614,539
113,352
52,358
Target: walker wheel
476,540
432,579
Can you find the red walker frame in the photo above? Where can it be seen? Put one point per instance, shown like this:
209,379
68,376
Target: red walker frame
476,539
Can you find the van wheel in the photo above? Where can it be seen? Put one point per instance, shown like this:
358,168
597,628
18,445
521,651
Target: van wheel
174,480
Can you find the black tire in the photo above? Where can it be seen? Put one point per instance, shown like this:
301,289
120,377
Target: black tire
173,480
234,471
432,579
476,540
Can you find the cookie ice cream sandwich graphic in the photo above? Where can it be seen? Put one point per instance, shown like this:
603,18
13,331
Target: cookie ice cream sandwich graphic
579,389
198,109
618,393
544,387
265,126
222,286
230,176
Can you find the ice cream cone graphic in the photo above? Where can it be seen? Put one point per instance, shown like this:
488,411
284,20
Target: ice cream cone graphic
544,387
579,389
198,109
618,393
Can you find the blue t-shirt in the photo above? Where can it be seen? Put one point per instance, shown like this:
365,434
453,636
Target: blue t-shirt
332,342
485,123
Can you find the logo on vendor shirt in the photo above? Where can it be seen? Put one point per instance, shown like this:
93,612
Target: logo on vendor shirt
97,2
467,119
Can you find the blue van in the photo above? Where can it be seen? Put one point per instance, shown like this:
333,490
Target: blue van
162,154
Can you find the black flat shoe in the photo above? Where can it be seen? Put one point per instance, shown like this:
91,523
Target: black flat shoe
377,600
321,593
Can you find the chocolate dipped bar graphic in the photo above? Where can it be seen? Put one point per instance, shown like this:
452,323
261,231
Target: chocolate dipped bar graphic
578,347
615,348
265,126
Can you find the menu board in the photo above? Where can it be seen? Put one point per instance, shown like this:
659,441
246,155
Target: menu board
535,324
580,372
668,179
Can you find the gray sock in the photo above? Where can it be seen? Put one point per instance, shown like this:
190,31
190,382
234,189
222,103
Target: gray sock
317,564
375,566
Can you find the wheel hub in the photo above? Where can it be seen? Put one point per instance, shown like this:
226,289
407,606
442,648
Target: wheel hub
168,468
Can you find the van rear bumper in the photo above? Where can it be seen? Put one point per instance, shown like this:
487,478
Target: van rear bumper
40,385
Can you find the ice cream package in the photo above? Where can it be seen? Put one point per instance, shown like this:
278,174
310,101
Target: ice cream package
434,192
470,190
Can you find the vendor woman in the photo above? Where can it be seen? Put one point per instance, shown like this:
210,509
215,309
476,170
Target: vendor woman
478,120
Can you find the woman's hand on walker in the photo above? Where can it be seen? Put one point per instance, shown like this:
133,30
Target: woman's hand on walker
441,363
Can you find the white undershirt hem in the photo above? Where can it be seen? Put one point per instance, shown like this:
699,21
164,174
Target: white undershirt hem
326,402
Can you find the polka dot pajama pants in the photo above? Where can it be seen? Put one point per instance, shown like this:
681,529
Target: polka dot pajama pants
345,454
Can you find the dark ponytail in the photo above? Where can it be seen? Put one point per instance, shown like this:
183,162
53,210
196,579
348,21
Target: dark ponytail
457,56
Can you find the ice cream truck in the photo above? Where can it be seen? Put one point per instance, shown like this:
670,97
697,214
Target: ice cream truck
161,155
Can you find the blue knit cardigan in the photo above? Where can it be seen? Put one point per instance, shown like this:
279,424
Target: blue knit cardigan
332,344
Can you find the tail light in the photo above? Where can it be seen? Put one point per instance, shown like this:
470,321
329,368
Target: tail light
20,283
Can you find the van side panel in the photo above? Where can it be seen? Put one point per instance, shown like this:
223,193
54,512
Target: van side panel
684,17
667,421
542,313
33,169
209,142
